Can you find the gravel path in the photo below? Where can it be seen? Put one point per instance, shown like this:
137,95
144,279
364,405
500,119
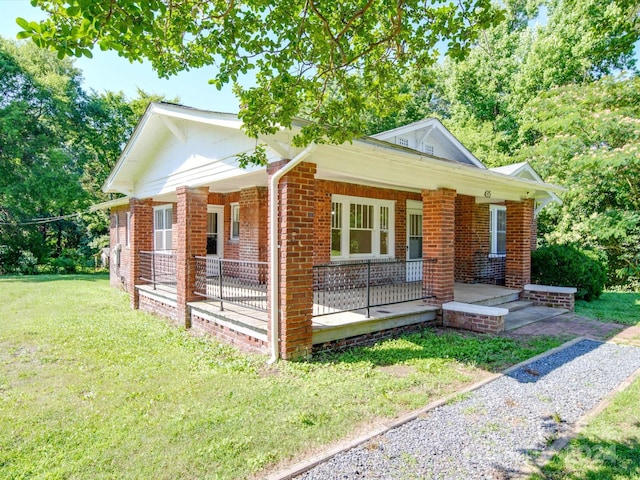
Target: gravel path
490,433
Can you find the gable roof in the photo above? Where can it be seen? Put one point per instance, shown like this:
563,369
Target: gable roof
431,128
176,146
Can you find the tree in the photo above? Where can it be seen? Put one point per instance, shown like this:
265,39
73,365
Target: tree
327,61
588,138
57,146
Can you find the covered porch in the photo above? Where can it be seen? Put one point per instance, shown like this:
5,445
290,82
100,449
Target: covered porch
233,301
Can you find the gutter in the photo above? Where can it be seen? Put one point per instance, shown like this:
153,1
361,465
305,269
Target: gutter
274,257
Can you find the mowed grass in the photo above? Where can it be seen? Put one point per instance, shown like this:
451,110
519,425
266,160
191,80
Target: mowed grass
618,307
607,449
92,389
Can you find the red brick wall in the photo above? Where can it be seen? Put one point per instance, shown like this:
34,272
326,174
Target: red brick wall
189,239
370,338
119,274
438,229
229,336
322,223
473,321
231,247
550,299
519,221
157,307
465,241
253,224
141,236
296,237
534,233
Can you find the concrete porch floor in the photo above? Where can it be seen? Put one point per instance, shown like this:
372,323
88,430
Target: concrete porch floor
341,325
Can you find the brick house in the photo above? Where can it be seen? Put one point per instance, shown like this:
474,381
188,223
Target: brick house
324,247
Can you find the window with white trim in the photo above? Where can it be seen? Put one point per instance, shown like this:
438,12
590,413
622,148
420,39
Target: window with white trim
427,148
127,232
361,227
162,227
235,221
498,229
403,141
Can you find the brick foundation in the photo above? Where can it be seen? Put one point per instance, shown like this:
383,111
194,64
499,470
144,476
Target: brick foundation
370,338
229,336
157,306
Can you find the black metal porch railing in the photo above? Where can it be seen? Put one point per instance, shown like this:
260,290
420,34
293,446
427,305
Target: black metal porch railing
239,282
158,268
358,285
489,269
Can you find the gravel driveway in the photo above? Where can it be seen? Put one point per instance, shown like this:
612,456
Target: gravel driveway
491,432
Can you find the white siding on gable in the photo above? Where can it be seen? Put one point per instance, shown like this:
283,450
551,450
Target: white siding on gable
208,155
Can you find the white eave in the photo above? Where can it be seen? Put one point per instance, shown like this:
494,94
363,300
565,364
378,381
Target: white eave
117,202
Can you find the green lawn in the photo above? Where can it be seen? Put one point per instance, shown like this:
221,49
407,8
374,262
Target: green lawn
91,389
618,307
607,449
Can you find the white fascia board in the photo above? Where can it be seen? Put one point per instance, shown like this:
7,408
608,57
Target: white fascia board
117,202
443,165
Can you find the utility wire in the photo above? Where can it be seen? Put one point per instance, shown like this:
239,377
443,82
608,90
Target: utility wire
43,220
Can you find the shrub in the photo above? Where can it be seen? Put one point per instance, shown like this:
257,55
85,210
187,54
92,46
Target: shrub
568,266
27,263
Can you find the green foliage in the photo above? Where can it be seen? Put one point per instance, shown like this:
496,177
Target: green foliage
331,62
568,266
588,139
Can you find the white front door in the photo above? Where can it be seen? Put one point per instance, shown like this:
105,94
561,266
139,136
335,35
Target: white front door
414,244
215,236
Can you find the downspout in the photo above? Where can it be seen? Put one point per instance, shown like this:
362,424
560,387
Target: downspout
274,258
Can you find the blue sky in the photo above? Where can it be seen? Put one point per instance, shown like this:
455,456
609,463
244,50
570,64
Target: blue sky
107,71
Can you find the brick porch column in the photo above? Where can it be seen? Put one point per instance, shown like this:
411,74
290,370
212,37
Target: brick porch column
189,240
438,241
253,224
519,222
296,220
140,239
465,240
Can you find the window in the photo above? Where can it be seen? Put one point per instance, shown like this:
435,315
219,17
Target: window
428,149
361,227
403,142
498,229
116,222
162,225
336,229
127,232
235,221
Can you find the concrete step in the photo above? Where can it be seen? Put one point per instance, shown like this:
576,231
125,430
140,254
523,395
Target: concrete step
495,301
515,305
528,315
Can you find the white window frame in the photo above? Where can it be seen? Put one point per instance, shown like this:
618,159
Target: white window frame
493,230
346,202
166,234
127,238
235,218
117,226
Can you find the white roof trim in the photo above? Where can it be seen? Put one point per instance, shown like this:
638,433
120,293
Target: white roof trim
118,202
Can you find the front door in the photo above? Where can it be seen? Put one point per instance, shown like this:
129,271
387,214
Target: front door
215,235
414,244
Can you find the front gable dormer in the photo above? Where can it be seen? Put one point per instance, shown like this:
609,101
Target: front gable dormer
430,137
